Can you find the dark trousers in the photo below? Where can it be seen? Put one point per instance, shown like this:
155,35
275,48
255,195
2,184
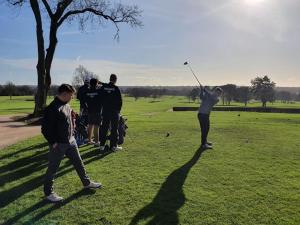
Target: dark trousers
110,119
204,125
55,157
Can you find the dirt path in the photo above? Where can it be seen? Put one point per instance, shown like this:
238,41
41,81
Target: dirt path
12,131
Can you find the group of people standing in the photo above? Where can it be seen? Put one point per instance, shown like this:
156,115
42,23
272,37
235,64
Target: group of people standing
103,105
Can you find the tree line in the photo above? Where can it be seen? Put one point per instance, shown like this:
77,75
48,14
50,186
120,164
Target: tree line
261,89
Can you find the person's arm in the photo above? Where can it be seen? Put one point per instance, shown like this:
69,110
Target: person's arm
202,92
48,125
119,100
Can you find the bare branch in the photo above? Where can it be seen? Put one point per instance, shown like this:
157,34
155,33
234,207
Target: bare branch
47,6
16,2
89,11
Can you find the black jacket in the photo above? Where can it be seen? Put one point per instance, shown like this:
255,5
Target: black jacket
93,100
57,123
81,94
111,98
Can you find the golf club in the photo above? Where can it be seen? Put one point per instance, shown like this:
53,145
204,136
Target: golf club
187,64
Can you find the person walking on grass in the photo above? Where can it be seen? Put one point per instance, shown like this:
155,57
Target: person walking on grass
208,100
58,128
111,108
93,104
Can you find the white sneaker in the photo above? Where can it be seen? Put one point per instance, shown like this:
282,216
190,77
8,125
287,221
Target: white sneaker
97,144
116,148
54,198
91,143
206,146
102,148
93,185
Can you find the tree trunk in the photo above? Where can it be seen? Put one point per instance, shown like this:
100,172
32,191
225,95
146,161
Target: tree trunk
41,94
50,54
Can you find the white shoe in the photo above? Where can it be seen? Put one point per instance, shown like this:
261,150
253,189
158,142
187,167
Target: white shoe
102,148
206,146
97,144
54,198
91,143
116,148
93,185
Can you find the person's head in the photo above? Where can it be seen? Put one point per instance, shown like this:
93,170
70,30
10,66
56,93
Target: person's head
66,92
218,91
94,82
86,81
113,78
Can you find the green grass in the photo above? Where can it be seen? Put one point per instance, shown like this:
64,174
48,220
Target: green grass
25,104
251,177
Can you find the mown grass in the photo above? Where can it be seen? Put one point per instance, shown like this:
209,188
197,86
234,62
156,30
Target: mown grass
25,104
251,176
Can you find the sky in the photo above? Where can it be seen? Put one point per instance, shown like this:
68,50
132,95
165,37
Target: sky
225,41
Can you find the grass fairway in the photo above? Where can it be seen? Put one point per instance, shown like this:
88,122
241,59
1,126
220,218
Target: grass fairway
251,177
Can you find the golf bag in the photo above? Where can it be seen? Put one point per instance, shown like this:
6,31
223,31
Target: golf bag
121,130
81,133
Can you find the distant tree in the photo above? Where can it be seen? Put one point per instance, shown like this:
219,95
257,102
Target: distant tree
9,89
284,96
243,95
81,74
23,90
297,96
194,94
134,92
60,12
229,93
157,93
263,89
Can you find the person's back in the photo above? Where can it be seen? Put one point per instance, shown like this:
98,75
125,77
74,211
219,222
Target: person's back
111,108
111,98
93,104
208,100
93,100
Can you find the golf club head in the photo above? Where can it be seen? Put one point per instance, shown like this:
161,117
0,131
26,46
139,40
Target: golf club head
185,63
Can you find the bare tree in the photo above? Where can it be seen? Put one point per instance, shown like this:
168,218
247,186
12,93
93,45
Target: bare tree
59,12
81,74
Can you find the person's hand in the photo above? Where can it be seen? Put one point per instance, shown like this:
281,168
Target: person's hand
54,146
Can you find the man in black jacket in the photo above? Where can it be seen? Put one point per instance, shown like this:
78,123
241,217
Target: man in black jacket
93,104
111,108
58,128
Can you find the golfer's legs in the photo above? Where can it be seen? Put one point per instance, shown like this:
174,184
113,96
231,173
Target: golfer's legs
203,125
73,154
55,157
104,129
114,129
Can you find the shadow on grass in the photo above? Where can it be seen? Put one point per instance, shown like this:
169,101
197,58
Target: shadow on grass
169,199
45,212
34,147
25,167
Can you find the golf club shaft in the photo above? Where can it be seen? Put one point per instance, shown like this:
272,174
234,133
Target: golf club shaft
194,75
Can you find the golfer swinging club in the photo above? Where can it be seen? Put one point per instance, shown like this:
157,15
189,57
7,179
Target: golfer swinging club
208,100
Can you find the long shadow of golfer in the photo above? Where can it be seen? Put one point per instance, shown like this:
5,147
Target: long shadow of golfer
170,198
42,203
24,167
